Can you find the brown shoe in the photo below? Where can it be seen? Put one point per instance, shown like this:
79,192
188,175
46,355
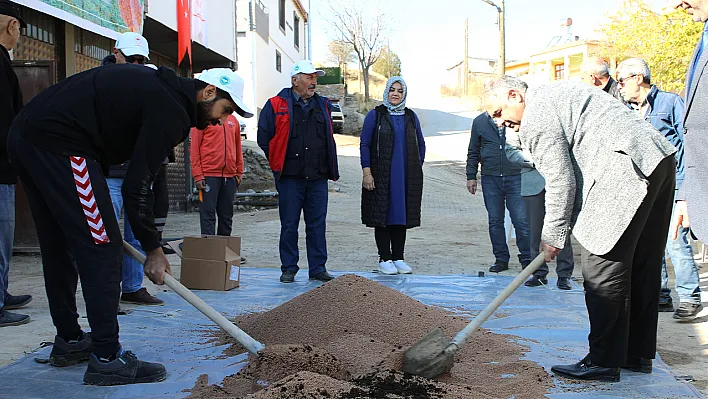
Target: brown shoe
141,297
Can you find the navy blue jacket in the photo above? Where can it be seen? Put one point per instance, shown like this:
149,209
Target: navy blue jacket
487,146
666,115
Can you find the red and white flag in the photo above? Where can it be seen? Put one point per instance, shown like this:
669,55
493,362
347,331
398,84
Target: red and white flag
88,201
184,30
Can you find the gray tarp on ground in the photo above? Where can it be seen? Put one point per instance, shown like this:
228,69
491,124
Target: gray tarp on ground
552,323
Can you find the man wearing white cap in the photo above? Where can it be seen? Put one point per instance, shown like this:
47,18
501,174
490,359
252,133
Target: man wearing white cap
132,48
54,142
295,132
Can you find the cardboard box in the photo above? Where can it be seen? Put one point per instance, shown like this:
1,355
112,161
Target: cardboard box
210,262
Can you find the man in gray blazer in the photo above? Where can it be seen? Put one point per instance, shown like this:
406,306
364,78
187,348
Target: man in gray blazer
695,131
610,179
533,192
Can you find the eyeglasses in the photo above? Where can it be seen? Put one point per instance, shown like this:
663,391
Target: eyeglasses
623,81
131,59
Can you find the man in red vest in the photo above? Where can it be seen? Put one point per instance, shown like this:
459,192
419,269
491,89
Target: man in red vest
295,132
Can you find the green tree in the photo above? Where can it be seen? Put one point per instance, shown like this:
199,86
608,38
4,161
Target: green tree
388,64
665,41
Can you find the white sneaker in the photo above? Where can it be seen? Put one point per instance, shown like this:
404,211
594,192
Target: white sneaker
402,267
387,267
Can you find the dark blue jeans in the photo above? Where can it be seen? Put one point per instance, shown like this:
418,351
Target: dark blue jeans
296,196
500,192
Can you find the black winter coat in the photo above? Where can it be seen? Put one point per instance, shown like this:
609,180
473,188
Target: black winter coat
10,105
374,204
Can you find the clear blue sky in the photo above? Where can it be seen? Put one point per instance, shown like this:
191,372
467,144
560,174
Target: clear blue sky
430,34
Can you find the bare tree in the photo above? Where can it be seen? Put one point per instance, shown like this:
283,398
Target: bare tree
362,24
340,52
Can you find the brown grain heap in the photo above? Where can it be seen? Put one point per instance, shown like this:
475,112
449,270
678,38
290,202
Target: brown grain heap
345,339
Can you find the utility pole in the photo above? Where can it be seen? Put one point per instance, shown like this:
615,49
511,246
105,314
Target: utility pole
502,40
465,64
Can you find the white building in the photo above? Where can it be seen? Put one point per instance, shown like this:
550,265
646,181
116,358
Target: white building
272,36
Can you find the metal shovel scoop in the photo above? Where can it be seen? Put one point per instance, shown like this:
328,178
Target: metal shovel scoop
433,355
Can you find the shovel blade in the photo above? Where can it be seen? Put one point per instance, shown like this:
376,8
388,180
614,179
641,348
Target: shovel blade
428,358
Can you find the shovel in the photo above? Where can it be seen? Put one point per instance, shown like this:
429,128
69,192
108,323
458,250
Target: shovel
433,355
238,334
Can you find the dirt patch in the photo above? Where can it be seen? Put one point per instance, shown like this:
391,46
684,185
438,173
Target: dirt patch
673,358
354,331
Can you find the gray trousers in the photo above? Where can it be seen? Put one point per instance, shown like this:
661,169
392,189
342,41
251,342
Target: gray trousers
218,202
536,212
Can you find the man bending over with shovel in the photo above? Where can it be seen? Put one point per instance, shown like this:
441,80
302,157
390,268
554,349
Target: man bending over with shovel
610,180
62,144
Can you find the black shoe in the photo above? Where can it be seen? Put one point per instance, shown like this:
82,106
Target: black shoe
536,281
322,276
563,283
288,276
124,369
69,353
243,260
141,297
16,301
585,370
639,365
687,311
666,306
168,250
499,266
13,319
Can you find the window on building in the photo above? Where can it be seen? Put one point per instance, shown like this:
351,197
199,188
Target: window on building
281,14
278,61
559,71
296,30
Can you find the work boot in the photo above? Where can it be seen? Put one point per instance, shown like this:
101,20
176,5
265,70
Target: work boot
687,311
67,353
288,276
536,281
12,319
499,266
666,306
564,283
141,297
122,369
322,276
16,301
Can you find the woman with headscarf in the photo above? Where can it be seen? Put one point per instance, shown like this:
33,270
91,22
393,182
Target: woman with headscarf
392,154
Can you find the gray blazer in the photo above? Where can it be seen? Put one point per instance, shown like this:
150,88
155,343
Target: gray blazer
695,131
532,183
595,154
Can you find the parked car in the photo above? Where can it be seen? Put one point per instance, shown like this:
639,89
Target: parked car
337,118
242,124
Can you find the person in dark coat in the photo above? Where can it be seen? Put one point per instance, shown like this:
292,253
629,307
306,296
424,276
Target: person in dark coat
62,153
392,155
10,105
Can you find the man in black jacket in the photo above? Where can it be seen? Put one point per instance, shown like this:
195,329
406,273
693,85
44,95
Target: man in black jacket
61,144
10,105
501,185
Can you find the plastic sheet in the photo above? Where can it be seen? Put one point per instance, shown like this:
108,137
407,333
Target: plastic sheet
551,322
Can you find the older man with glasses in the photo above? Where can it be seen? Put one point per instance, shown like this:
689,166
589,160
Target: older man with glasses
665,112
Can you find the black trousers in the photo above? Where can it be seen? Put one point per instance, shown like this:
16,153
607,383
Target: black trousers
74,217
218,202
391,242
622,287
162,199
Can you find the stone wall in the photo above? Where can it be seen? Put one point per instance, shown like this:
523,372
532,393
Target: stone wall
333,92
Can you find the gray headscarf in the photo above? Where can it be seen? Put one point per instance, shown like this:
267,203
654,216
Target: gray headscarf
400,108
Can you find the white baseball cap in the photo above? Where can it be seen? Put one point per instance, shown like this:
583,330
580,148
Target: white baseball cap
230,82
131,43
305,66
